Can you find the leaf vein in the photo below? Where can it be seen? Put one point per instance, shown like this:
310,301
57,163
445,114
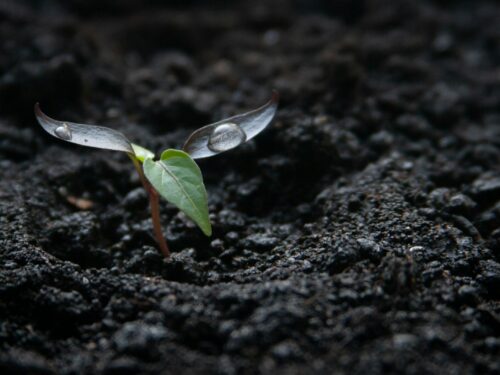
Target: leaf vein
174,177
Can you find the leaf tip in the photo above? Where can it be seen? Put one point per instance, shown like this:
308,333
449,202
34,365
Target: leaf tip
207,230
38,110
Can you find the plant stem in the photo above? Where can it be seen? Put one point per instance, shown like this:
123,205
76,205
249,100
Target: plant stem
154,203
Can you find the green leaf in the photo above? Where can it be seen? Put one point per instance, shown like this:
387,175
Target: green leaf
178,179
142,153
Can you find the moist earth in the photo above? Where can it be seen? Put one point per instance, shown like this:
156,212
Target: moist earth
359,234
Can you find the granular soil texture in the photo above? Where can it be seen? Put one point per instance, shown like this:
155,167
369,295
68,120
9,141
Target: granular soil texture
359,234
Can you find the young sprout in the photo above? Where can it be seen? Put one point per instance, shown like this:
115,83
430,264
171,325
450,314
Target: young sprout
175,175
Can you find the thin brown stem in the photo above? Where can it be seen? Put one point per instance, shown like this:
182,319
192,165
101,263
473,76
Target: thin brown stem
154,203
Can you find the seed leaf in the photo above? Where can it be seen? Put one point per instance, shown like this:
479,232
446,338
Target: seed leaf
84,134
142,153
178,179
229,133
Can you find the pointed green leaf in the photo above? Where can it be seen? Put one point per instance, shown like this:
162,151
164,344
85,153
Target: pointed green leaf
142,153
178,179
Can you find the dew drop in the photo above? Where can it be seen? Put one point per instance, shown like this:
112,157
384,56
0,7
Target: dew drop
63,131
225,137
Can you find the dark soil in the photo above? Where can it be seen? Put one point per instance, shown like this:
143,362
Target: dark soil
360,234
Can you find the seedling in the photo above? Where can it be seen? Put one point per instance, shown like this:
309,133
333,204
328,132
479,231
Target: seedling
175,175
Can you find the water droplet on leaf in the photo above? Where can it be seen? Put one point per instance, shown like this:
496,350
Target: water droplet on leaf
84,134
63,131
225,137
